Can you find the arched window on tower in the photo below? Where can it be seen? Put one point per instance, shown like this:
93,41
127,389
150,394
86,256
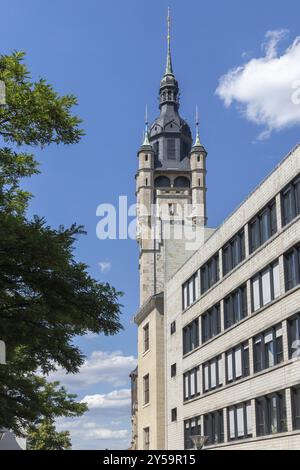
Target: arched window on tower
181,182
162,182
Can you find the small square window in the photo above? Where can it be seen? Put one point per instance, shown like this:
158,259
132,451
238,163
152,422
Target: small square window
173,327
174,414
173,370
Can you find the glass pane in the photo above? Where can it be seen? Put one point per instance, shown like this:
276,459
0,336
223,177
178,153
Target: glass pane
186,386
185,296
197,286
274,424
191,292
231,423
288,209
213,374
266,286
206,387
270,353
297,196
240,420
238,362
276,280
265,226
256,294
192,378
220,370
229,366
249,418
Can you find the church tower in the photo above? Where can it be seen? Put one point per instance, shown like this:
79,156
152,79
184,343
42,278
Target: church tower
170,181
171,196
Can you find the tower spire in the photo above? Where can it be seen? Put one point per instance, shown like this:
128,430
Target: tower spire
197,141
169,68
146,135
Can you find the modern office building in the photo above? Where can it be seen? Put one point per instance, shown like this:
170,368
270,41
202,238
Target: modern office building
218,324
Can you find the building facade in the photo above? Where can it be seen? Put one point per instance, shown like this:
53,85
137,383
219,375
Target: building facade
236,343
219,319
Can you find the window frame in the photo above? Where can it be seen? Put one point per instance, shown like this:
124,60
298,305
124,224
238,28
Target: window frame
233,253
219,376
189,430
211,323
295,396
264,407
294,281
209,273
214,427
190,336
270,210
270,269
146,437
234,408
293,322
146,337
187,379
293,189
245,362
146,389
231,316
278,353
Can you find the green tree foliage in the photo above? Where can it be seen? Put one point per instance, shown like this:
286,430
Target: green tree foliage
47,297
45,437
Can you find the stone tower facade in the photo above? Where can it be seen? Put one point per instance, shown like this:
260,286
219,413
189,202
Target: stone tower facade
171,200
170,182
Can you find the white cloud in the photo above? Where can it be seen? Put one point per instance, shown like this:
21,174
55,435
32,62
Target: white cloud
104,434
267,89
115,399
104,266
96,429
112,368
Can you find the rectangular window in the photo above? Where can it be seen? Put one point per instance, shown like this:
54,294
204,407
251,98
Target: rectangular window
190,291
174,414
146,389
294,336
212,372
211,323
268,348
292,268
234,252
290,201
209,273
171,149
146,438
214,427
190,336
271,414
262,227
265,286
146,337
237,362
296,407
173,327
235,306
192,427
239,421
191,384
173,370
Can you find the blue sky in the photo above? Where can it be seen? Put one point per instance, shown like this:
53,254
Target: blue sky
111,55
